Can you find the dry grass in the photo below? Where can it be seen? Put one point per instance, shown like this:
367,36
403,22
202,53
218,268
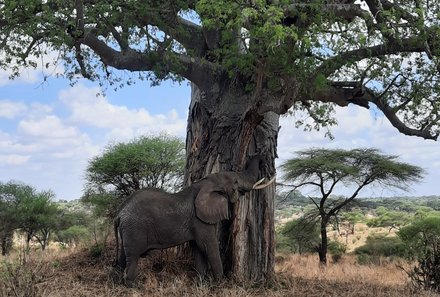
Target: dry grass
76,274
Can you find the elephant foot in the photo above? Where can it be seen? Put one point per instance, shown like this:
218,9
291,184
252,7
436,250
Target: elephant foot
129,283
116,274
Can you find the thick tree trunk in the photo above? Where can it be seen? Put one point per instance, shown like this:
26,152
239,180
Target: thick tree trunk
223,130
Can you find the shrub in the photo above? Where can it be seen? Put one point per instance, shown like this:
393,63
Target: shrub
337,250
96,250
422,239
378,246
298,236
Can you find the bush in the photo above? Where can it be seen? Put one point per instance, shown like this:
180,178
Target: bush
96,250
422,239
378,246
73,235
337,250
298,236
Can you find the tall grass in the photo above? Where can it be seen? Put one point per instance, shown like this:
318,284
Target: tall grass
386,274
79,274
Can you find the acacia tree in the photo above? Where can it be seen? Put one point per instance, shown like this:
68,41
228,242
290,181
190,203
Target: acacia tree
147,161
7,217
324,170
29,210
248,62
123,168
37,215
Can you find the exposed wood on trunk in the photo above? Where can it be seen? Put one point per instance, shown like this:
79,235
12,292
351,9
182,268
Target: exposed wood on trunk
219,140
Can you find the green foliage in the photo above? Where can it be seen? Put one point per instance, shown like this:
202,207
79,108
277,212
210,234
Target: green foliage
389,219
73,235
422,239
326,169
351,217
30,211
350,167
314,44
123,168
378,246
292,198
337,250
96,250
422,236
104,203
298,236
37,215
155,161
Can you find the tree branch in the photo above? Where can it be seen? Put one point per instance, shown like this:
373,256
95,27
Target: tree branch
390,114
187,33
405,45
342,10
193,69
341,93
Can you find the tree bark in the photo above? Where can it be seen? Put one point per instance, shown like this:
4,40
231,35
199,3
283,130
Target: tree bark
223,130
322,250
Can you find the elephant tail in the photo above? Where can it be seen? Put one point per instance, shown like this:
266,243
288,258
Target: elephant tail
116,227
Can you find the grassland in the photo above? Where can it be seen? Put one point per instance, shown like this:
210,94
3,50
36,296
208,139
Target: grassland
76,273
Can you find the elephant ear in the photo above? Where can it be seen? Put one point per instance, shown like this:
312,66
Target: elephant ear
211,206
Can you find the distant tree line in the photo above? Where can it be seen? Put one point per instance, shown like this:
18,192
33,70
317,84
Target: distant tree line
34,214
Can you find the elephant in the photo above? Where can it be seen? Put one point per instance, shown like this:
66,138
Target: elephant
154,219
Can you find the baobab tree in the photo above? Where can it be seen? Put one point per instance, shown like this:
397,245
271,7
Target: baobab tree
248,63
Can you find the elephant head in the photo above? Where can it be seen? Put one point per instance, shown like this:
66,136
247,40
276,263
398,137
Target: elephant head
218,189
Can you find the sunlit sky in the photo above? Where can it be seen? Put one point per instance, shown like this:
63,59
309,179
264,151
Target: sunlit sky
49,131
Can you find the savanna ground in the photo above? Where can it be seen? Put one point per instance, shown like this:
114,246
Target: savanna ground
75,273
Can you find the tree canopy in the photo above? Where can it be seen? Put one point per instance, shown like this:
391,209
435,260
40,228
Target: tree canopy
31,211
123,168
147,161
287,53
326,169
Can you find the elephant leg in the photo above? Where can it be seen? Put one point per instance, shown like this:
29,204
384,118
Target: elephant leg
210,247
130,271
215,261
119,266
199,259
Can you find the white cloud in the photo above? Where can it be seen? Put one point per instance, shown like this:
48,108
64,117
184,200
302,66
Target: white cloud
52,149
121,122
14,159
10,109
47,65
48,127
27,76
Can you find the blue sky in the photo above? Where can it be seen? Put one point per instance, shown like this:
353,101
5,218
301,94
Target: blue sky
49,130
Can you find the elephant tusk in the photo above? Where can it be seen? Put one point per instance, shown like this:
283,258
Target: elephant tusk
258,185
